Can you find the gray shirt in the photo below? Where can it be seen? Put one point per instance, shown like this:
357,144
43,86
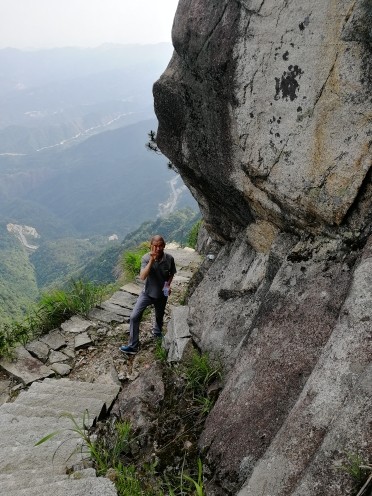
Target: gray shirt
160,272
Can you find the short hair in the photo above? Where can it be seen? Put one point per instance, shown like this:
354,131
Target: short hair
157,237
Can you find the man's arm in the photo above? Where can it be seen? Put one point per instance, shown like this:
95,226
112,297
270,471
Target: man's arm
146,270
173,270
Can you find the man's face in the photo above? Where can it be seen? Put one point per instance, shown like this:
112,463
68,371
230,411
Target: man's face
157,247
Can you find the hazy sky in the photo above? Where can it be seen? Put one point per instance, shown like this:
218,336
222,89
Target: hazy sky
32,24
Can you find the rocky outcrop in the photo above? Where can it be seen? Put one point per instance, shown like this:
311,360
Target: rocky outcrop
293,328
265,109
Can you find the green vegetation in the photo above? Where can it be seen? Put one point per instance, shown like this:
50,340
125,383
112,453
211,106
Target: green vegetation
18,287
193,234
174,227
57,261
132,261
160,352
201,372
112,452
127,482
102,269
52,309
197,483
23,276
60,305
359,470
11,334
104,456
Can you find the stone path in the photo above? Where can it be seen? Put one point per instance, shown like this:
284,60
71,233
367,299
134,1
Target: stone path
41,470
52,354
38,370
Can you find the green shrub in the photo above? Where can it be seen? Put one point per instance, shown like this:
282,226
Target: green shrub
198,484
127,482
132,261
193,234
201,372
359,469
51,311
109,449
161,353
60,305
14,333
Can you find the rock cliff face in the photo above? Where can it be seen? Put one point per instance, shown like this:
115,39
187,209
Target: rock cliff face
266,110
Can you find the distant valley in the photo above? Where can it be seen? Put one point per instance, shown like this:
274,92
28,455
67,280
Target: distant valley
60,96
73,164
110,183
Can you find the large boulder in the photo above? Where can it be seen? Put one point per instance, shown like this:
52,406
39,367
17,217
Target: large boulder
265,109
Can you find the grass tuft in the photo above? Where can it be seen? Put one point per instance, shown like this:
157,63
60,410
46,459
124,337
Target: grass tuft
200,372
51,311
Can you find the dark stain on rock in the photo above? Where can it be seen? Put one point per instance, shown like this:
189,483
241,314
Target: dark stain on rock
304,24
287,86
285,55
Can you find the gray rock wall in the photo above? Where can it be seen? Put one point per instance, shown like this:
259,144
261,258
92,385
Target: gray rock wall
293,329
266,110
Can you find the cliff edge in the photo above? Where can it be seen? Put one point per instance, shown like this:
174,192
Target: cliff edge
265,109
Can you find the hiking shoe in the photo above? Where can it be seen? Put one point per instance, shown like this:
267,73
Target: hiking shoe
129,350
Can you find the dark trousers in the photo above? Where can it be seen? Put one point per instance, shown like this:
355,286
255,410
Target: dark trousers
141,304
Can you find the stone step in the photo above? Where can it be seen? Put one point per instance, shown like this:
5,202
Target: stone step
91,486
62,396
60,404
106,316
68,383
18,410
25,479
37,412
91,403
33,478
114,308
50,457
76,325
123,299
105,392
25,367
133,288
28,431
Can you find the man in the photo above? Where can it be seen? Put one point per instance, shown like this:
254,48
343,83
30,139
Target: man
157,269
